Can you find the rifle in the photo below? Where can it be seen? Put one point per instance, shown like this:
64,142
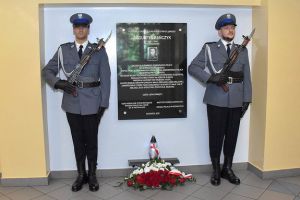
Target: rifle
233,57
79,67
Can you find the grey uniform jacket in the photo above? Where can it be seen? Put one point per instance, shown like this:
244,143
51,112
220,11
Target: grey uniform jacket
87,100
202,67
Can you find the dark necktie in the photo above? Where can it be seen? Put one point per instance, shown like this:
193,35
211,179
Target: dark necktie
80,51
228,49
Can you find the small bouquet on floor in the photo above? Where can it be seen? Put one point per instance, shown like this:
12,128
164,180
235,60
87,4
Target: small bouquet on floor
157,174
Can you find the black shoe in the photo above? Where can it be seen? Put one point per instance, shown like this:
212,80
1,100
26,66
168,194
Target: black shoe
79,182
82,177
215,178
227,172
92,179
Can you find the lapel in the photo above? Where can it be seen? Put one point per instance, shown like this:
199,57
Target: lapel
221,49
234,46
73,52
87,49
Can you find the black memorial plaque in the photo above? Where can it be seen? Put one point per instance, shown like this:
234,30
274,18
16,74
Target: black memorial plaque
152,65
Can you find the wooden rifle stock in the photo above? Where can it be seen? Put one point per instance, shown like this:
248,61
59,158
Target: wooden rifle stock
225,87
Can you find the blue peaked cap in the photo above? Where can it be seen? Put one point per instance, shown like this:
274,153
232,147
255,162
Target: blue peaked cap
81,18
226,19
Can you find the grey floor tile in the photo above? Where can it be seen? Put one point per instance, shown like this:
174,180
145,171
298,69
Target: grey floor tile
7,190
44,197
232,196
248,191
271,195
295,189
224,186
53,185
127,196
187,188
112,180
208,193
104,180
107,191
242,174
297,198
68,181
85,196
294,180
65,193
255,181
168,195
24,194
145,193
202,179
2,197
191,198
284,187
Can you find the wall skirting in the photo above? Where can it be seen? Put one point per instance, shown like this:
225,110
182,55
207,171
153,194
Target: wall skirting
274,173
24,181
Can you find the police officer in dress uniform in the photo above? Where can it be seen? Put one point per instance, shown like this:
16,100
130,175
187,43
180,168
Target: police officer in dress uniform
85,101
224,109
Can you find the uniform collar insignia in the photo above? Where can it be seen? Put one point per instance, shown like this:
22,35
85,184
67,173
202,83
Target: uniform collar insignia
89,45
219,43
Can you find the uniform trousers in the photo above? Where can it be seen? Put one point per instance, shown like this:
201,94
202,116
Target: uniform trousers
223,125
84,130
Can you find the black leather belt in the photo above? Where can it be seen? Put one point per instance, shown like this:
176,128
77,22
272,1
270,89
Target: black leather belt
81,84
235,77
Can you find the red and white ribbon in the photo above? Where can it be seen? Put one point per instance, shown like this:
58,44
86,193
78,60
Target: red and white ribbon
153,146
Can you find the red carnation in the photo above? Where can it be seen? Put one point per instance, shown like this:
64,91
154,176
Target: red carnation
182,180
172,180
140,179
129,183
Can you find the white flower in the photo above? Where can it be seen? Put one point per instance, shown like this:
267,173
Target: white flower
164,165
135,172
153,168
146,169
175,170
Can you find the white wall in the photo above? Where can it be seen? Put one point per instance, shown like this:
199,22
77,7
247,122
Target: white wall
119,141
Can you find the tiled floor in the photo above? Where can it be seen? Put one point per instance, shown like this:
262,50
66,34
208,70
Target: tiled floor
251,188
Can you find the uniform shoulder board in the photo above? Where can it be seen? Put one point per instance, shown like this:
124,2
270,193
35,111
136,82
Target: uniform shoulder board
67,43
210,42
